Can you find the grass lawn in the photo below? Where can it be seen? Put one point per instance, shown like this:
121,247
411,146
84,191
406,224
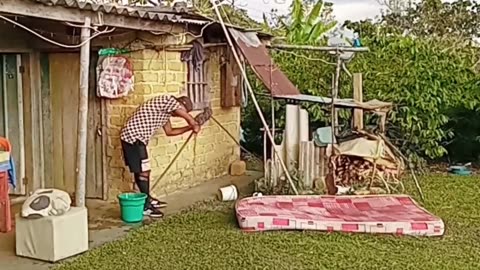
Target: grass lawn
207,238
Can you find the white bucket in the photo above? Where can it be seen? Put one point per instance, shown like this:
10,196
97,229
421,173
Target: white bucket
229,193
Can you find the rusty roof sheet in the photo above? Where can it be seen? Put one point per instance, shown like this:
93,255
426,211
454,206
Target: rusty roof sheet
258,57
171,14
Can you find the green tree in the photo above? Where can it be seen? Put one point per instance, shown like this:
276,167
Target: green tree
395,6
458,19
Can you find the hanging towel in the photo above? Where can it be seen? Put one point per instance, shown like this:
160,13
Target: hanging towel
195,55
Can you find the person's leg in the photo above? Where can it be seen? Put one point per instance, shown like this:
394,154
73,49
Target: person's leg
144,177
151,209
136,158
143,183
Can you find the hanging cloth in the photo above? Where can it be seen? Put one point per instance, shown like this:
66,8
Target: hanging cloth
195,55
115,77
6,161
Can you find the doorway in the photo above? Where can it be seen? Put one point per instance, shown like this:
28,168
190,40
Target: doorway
11,114
60,74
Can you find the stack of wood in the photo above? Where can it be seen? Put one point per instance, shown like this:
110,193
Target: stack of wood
356,171
356,166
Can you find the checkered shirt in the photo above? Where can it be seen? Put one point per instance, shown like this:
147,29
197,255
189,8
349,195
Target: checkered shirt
149,117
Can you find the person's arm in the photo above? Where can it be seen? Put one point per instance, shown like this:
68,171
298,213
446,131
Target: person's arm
191,122
169,131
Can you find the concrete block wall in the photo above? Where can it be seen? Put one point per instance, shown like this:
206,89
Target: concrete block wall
206,157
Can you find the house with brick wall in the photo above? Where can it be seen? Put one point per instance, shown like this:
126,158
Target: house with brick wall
40,93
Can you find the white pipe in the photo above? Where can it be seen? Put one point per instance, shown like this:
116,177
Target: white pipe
83,116
252,94
303,126
291,136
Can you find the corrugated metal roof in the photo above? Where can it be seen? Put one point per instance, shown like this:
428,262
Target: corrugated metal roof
171,14
259,59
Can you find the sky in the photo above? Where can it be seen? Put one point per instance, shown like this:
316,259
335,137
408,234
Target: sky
343,9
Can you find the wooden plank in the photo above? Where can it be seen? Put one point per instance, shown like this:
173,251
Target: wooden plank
16,41
63,14
230,82
28,113
32,122
64,89
358,97
37,177
223,85
12,117
37,122
94,183
59,80
47,123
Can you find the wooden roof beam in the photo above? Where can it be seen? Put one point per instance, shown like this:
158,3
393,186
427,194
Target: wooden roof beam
63,14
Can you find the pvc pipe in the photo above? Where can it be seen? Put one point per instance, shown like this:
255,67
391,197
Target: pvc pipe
303,126
291,136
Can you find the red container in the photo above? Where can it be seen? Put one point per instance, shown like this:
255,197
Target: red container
5,215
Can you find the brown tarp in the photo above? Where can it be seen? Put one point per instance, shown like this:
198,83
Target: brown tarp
259,59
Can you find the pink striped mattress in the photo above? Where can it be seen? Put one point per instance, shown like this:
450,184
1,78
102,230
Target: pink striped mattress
387,214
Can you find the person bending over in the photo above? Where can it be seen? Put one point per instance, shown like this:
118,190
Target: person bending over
140,127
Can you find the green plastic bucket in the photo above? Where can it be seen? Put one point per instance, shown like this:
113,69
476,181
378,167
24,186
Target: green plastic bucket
131,206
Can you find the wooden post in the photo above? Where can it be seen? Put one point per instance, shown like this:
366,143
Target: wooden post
335,86
358,97
81,169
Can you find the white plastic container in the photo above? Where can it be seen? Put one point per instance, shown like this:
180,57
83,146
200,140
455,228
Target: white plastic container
228,193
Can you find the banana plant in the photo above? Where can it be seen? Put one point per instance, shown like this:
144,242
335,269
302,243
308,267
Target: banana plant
304,27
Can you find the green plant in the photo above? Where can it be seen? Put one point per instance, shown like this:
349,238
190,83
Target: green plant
306,28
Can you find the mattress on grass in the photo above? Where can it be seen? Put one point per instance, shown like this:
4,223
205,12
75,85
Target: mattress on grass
387,214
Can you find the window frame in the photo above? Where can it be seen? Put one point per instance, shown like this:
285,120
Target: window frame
197,84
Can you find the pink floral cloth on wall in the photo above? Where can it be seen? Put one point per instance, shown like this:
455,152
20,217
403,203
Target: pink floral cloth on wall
115,77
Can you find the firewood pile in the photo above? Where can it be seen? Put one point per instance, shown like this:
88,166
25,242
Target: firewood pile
357,172
364,165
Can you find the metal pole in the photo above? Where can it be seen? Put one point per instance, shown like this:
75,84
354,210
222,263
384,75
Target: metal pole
252,94
81,169
273,145
317,48
334,96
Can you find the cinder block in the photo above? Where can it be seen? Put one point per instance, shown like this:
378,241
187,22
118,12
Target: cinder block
53,238
238,167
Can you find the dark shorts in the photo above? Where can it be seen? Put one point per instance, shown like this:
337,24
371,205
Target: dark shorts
136,157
